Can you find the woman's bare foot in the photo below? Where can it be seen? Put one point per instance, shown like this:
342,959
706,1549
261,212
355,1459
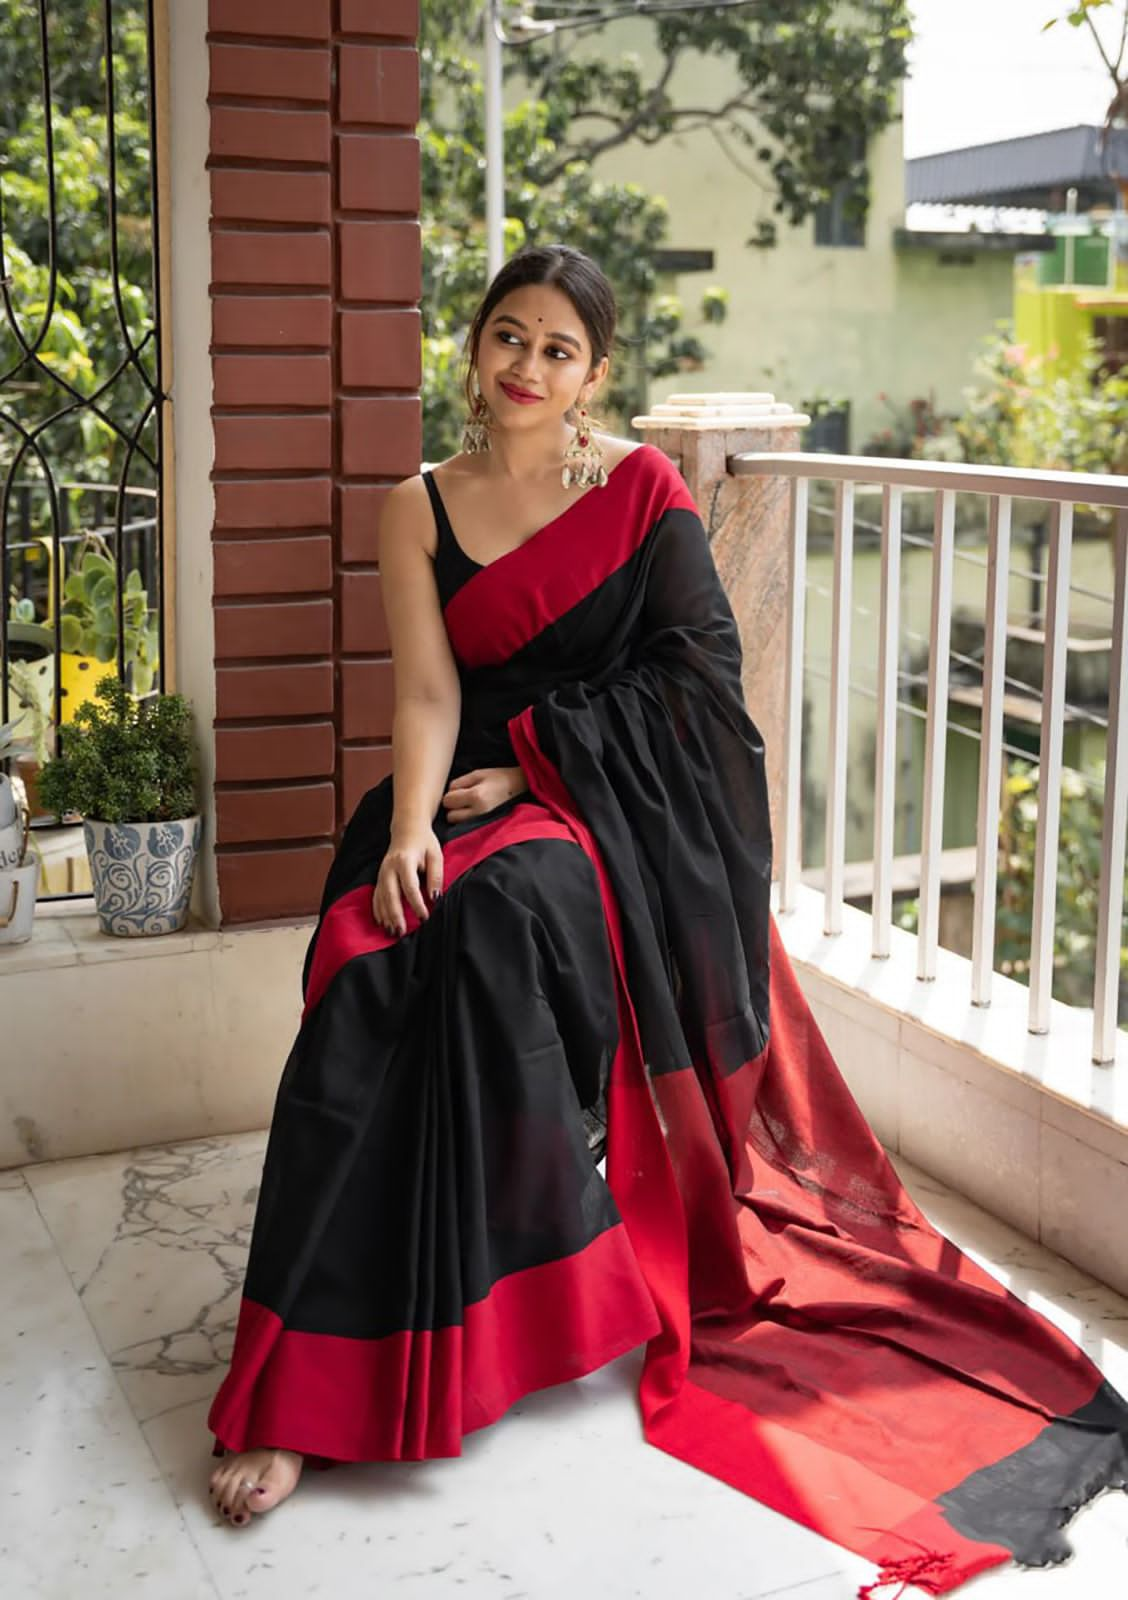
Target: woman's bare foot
256,1480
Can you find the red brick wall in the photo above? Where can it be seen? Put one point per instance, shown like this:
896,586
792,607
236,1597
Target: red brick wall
316,281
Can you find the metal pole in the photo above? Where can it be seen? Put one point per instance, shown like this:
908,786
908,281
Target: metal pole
495,144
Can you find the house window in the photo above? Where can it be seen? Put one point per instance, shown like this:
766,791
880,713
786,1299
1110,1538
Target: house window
840,221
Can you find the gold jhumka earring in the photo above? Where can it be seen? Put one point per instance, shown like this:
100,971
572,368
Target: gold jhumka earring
476,433
583,459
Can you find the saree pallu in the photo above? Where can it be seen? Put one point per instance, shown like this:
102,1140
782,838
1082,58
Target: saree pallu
433,1238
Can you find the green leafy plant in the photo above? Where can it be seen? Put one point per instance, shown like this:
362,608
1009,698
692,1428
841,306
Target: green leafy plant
89,621
1018,414
1078,881
33,694
124,760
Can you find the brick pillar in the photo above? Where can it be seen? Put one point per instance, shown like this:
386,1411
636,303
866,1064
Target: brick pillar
747,522
316,268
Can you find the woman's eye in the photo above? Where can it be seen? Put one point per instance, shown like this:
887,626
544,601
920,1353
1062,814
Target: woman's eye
504,333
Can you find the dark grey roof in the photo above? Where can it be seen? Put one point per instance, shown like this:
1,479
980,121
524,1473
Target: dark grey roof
1034,171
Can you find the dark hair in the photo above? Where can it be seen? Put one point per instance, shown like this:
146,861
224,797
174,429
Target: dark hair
581,279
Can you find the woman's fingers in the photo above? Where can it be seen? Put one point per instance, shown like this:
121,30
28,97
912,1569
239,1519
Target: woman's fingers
386,905
434,873
409,886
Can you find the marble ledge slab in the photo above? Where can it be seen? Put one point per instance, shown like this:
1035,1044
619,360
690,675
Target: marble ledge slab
72,938
1056,1065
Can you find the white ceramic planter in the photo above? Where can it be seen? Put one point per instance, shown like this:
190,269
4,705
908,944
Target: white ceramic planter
18,889
13,840
142,873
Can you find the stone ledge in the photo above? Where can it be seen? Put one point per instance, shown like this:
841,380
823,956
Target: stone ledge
102,1054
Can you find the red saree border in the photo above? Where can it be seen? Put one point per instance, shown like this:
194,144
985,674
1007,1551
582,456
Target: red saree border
412,1395
349,928
640,1173
503,607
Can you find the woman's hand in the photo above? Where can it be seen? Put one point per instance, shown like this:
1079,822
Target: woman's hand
482,790
411,851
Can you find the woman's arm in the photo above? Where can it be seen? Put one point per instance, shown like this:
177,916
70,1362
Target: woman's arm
428,698
428,709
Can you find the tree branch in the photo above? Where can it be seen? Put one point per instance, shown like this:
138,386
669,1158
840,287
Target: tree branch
756,176
624,130
1092,27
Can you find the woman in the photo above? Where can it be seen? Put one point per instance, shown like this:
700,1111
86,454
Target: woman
548,930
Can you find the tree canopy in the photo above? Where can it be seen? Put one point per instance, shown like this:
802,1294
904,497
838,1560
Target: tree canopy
817,81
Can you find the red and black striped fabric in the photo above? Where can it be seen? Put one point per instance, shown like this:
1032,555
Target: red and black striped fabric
433,1238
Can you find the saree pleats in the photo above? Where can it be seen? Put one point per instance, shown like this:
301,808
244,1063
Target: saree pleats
433,1238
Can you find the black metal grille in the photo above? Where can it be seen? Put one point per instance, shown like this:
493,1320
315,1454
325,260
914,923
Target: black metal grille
81,527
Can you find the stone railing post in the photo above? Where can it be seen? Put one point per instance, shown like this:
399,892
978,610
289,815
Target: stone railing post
747,523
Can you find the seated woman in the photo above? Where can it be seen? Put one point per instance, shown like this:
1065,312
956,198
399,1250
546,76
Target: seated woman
548,932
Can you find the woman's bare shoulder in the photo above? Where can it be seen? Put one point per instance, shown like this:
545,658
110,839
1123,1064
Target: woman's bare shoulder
614,448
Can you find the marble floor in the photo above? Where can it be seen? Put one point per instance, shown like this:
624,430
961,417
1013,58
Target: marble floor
121,1276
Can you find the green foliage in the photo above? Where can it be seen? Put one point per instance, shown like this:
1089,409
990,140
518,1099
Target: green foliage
32,694
1078,15
124,760
83,392
1078,881
87,329
1022,415
1078,884
89,623
808,76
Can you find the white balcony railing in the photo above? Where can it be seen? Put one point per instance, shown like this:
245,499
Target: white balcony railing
1001,486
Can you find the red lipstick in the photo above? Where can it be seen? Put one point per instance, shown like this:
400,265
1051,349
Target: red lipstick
521,396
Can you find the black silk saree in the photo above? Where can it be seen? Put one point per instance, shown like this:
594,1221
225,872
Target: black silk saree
433,1236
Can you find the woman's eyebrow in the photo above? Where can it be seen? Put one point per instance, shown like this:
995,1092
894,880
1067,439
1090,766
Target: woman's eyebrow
566,337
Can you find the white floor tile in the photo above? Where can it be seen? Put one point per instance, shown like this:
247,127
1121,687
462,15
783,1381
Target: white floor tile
156,1244
83,1508
562,1498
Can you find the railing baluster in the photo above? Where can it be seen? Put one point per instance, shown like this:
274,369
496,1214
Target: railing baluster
885,766
835,854
1049,767
990,749
1106,993
936,732
791,843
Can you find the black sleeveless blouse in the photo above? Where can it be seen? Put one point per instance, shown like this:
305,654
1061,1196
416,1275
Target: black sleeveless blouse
453,567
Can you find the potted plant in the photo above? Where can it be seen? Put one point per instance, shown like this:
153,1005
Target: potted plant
127,767
19,873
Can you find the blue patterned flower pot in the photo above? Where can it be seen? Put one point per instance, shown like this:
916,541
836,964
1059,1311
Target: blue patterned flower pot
142,873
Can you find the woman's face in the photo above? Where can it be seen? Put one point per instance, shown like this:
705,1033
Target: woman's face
535,344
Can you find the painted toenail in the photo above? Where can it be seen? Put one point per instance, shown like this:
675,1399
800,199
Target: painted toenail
260,1490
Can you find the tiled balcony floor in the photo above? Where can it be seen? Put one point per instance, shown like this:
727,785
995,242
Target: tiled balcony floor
121,1277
